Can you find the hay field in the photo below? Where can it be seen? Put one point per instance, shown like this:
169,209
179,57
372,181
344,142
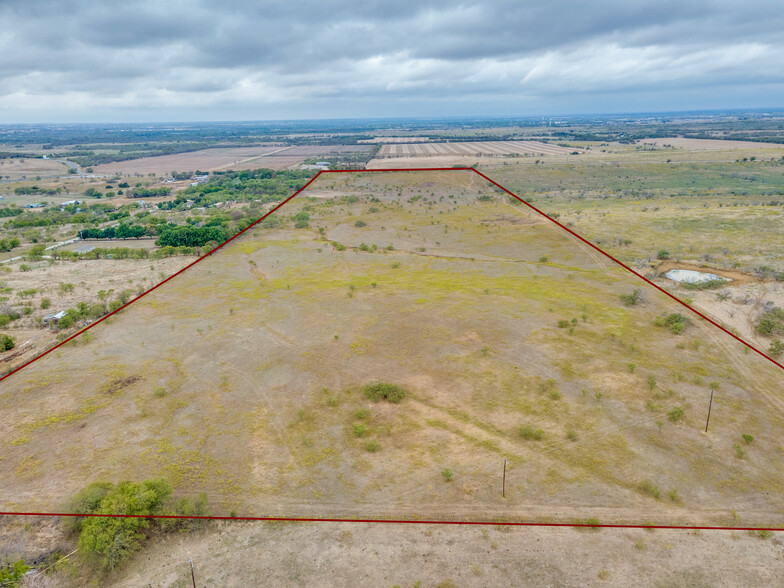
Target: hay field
244,377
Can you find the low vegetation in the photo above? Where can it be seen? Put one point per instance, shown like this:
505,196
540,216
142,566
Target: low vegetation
108,542
383,391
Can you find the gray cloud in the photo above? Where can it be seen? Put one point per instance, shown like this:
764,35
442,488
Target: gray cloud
82,59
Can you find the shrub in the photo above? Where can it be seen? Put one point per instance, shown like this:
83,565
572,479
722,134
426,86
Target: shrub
633,298
776,348
663,254
740,453
675,414
571,435
390,392
362,414
528,433
749,439
6,343
647,487
360,223
543,259
771,322
109,541
676,322
360,430
631,367
13,574
673,494
160,392
45,303
651,382
562,324
372,446
447,474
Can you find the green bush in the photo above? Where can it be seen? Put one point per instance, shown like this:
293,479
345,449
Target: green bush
372,445
675,414
360,223
562,324
663,254
749,439
633,298
776,348
13,574
360,430
771,322
447,474
6,343
676,322
390,392
647,487
108,542
709,285
528,433
362,414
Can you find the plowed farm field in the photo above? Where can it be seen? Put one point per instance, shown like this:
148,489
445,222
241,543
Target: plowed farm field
472,149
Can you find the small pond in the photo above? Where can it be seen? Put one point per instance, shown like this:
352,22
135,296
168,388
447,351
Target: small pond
693,277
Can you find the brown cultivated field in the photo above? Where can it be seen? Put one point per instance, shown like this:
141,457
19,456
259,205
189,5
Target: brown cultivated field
293,156
245,378
710,144
473,149
395,140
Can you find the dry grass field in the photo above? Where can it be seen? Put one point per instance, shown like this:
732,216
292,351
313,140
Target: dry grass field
18,169
244,377
238,554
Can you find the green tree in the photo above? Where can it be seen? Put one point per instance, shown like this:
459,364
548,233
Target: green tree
13,574
6,343
109,541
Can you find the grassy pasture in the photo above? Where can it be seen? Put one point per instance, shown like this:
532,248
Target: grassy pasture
244,377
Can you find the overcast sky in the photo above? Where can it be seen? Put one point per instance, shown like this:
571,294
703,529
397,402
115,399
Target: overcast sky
185,60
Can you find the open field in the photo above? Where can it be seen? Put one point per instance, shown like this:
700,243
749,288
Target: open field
237,554
17,169
711,144
204,160
244,377
230,158
473,149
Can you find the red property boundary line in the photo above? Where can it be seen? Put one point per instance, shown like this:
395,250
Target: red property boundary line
395,521
403,521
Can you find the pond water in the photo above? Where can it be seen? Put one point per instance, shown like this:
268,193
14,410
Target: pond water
693,277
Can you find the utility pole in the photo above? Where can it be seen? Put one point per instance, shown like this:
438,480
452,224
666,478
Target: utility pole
193,576
710,404
503,487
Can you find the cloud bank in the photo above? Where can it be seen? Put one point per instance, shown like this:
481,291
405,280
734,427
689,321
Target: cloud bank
91,60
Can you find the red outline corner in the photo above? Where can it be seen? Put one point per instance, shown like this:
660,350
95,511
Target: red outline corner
421,522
